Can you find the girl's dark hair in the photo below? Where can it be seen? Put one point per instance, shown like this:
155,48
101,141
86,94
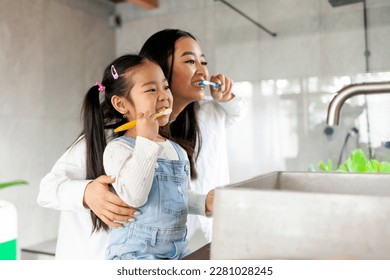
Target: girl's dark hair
160,47
98,114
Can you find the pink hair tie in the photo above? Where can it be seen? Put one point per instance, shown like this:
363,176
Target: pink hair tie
101,87
114,73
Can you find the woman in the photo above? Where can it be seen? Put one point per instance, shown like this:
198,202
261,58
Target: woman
199,121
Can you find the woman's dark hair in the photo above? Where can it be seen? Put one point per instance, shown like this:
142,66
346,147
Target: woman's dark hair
98,114
160,47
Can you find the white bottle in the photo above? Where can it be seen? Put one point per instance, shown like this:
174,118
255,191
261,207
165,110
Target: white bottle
8,231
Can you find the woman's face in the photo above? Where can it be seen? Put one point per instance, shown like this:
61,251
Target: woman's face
189,67
150,92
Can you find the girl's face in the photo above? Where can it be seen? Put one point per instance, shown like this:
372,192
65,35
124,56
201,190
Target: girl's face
189,67
149,93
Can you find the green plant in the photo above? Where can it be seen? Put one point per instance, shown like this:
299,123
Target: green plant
357,162
13,183
326,167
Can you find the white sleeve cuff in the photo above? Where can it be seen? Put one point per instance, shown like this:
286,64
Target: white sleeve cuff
234,106
196,203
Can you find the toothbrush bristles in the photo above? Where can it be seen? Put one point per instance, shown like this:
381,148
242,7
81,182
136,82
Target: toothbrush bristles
164,112
167,111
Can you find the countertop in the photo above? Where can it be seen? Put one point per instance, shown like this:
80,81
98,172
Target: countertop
202,253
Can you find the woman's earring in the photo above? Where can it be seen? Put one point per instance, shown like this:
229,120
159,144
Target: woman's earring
124,116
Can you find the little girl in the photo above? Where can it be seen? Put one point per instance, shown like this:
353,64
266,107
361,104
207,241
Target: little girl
152,173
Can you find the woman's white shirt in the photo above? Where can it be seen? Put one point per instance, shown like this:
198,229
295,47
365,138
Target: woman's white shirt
63,189
212,162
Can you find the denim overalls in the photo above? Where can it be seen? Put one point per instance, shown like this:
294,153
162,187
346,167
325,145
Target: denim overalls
160,231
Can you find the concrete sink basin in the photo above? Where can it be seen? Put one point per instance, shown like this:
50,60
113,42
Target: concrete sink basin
303,215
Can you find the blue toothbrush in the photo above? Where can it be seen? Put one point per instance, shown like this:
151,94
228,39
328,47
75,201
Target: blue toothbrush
207,83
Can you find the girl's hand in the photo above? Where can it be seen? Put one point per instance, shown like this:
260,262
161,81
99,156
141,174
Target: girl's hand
210,203
147,125
224,93
106,205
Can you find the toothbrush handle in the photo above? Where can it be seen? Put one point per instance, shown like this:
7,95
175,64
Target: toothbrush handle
133,123
215,85
208,83
126,126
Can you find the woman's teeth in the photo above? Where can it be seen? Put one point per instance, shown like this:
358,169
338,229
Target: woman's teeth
198,84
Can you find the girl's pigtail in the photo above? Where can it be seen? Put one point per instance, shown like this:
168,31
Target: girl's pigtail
93,121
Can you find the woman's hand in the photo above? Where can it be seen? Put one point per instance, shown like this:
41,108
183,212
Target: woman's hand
210,203
224,93
107,205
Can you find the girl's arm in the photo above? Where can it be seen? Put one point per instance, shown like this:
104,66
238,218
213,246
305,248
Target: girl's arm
132,168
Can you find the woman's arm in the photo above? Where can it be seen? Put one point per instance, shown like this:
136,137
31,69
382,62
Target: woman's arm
132,168
200,204
234,107
65,188
226,113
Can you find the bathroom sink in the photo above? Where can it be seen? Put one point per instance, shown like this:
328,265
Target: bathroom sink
303,215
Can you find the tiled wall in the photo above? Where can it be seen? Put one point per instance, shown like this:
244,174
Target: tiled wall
51,52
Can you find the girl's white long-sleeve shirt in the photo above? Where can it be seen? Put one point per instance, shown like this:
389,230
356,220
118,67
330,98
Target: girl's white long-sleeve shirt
134,168
63,187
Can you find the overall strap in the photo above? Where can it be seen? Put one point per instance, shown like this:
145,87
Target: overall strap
179,150
129,140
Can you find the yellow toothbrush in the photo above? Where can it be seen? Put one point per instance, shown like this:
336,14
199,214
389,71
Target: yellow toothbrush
133,123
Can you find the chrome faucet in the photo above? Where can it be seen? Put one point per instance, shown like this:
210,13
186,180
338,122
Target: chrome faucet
347,92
